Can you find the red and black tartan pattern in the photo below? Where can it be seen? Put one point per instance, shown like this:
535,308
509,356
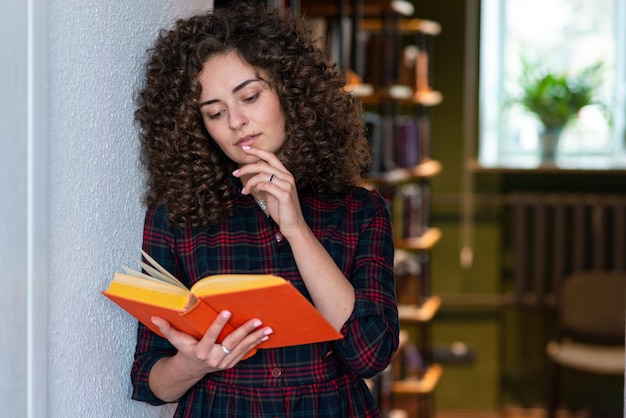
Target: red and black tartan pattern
316,380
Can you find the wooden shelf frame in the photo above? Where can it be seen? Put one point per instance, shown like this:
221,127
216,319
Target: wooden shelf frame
420,314
426,242
401,94
418,386
403,25
371,8
426,169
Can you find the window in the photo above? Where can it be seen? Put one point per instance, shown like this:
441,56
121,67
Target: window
564,36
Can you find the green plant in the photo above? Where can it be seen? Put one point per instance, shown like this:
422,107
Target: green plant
557,97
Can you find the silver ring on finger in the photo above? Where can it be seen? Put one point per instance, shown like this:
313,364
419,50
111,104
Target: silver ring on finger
225,350
271,178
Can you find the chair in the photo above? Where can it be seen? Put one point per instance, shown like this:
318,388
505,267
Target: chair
590,328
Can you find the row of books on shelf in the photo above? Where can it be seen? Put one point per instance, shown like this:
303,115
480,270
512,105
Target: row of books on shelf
397,141
401,42
409,205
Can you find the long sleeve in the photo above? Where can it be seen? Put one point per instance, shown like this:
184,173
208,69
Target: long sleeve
371,333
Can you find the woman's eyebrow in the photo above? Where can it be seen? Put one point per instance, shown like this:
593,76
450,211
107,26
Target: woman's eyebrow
234,90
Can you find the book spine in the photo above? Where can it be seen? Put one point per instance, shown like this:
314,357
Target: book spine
200,316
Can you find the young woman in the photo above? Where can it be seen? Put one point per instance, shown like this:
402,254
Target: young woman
254,152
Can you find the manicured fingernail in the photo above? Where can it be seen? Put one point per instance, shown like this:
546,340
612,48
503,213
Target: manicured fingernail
226,314
235,172
268,331
246,147
257,323
265,338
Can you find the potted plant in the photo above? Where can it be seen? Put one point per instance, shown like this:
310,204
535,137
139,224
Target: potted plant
556,98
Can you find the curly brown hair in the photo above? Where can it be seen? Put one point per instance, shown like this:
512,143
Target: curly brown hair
325,134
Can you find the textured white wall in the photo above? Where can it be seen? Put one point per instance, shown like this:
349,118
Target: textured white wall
13,191
93,51
95,59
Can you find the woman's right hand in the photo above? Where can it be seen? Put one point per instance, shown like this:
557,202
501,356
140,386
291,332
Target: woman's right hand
171,377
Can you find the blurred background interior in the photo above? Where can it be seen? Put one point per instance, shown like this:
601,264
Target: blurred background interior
497,129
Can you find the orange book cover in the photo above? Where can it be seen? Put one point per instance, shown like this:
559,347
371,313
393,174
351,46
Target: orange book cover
269,298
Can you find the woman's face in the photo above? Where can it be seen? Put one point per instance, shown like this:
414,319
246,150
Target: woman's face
239,108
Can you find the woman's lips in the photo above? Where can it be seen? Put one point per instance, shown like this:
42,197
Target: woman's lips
247,140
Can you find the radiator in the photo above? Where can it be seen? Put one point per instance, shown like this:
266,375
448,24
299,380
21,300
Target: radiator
552,235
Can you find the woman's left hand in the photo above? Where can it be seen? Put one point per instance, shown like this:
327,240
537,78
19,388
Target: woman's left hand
269,178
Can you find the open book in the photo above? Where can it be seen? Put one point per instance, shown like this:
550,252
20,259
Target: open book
269,298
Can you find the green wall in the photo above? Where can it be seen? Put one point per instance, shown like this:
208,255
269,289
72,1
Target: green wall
508,344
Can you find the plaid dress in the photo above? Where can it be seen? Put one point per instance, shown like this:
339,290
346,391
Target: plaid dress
314,380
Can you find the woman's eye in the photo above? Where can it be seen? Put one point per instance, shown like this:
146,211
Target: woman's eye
252,99
216,115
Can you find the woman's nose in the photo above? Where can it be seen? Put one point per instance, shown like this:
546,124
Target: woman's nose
237,119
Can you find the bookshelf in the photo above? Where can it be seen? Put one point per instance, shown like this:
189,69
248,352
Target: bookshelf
385,52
